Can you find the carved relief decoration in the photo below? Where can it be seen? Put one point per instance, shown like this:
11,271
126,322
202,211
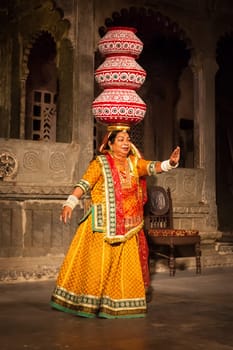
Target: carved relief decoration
8,164
57,161
170,182
37,168
31,161
189,184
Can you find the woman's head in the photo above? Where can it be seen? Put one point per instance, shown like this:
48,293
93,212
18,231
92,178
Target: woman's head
116,137
117,133
119,142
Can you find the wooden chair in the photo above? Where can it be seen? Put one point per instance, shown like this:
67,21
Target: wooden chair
160,231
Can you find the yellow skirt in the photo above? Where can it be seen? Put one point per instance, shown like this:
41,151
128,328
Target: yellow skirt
98,279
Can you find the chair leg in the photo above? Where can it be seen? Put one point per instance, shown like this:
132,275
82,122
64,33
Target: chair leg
172,262
198,258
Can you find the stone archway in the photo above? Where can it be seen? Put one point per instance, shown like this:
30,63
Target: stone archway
42,90
29,23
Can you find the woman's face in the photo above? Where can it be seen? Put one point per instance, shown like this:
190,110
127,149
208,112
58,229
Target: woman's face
121,144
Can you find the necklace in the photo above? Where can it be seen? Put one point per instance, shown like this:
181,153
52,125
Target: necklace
122,165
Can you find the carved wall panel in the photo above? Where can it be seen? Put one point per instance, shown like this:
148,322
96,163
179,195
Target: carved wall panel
32,228
8,165
186,185
37,167
190,210
33,241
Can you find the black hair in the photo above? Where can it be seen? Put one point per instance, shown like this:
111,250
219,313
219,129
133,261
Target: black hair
113,136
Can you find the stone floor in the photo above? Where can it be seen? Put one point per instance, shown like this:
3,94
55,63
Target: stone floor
188,312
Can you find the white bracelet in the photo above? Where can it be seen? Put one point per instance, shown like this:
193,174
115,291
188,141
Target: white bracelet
166,166
72,201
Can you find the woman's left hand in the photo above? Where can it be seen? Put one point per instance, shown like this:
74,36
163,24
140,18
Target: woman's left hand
175,156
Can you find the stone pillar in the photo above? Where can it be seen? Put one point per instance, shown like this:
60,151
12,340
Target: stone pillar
22,107
5,87
83,82
204,68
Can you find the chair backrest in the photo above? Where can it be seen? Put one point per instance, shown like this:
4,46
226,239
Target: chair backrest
158,210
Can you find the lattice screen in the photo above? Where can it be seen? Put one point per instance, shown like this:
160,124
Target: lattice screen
43,116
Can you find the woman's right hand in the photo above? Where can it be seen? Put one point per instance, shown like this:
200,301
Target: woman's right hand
66,214
175,156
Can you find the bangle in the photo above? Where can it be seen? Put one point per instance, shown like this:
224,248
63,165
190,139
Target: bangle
72,201
166,166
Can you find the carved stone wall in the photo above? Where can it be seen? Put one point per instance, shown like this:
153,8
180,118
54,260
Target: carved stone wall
190,208
31,228
31,196
32,239
44,168
40,176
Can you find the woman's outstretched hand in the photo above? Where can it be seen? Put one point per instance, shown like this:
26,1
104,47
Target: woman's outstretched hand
66,214
175,157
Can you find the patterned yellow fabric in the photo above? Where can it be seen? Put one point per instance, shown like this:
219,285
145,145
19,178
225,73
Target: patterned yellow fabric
98,278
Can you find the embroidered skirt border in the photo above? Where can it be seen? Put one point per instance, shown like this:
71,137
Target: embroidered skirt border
90,306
